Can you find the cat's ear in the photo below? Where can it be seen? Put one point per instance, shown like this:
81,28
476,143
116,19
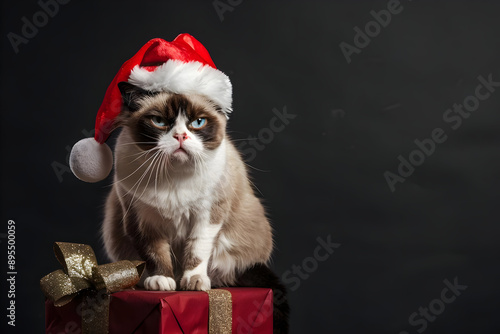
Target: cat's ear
131,95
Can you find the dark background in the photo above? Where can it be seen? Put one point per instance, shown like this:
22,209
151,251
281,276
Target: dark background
322,175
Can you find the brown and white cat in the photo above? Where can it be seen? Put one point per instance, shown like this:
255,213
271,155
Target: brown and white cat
182,200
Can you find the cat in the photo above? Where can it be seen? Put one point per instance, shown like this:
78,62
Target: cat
182,200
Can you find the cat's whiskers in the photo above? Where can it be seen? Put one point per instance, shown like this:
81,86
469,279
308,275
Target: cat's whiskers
257,169
247,139
138,183
148,136
255,186
166,167
251,182
156,184
141,154
135,171
136,143
164,161
153,165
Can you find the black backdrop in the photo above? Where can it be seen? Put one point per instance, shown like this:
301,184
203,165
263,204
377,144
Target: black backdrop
321,176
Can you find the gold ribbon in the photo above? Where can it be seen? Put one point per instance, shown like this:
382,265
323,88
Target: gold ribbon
220,312
82,274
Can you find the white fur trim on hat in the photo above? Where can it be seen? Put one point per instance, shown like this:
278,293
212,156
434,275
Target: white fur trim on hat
183,78
91,161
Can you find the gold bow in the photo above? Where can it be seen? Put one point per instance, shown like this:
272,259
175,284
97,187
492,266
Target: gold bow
81,273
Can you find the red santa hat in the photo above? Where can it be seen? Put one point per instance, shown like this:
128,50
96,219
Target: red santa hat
182,66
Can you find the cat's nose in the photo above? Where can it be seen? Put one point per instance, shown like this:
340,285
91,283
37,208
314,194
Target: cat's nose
181,137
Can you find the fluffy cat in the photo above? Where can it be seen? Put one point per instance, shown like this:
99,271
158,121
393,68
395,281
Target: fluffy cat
182,200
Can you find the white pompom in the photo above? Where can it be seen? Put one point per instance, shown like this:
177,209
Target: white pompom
91,161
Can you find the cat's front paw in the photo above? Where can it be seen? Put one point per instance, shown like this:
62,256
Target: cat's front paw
159,283
195,282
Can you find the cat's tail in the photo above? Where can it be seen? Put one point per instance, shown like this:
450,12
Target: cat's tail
260,276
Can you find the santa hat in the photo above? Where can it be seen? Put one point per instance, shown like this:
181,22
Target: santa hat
182,66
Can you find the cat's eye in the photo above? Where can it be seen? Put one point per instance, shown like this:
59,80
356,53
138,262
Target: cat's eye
159,122
199,123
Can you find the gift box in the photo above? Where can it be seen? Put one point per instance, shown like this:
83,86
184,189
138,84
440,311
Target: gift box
88,298
225,310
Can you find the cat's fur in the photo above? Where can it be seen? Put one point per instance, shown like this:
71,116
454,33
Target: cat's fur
191,214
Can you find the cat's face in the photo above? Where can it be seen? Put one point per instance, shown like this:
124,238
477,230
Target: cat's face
183,128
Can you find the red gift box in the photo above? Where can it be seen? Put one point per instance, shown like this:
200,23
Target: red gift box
141,312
